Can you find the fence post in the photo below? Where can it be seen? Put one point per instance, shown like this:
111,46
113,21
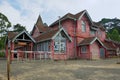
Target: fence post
8,65
34,55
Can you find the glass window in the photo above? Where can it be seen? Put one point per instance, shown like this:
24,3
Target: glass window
60,44
56,46
84,49
93,32
99,33
83,25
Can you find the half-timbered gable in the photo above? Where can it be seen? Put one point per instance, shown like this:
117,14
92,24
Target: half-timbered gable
19,42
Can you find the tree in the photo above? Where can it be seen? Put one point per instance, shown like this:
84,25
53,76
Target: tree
114,35
18,28
4,25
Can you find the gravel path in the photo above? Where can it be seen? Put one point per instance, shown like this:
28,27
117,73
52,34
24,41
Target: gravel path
58,70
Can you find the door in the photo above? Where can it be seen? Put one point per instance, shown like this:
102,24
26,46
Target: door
102,53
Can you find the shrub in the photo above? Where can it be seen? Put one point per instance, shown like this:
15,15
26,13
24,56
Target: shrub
2,54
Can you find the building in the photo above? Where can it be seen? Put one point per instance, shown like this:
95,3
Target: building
72,36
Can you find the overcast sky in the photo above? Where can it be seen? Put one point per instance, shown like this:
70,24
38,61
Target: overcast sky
26,12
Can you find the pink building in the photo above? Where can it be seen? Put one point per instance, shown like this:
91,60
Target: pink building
72,36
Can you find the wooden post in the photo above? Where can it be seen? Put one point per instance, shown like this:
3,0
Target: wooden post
11,53
31,49
89,52
52,50
8,65
34,55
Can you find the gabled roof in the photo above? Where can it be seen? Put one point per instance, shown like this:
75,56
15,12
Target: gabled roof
51,35
13,35
46,36
89,40
22,33
109,46
62,29
73,17
80,15
115,42
98,25
42,27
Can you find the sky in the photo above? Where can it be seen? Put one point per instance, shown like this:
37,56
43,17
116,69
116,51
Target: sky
26,12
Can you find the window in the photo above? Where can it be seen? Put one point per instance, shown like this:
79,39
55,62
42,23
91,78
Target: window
84,49
99,33
83,25
60,44
56,46
92,32
44,46
63,46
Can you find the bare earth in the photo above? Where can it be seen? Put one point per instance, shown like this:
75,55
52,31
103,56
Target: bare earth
58,70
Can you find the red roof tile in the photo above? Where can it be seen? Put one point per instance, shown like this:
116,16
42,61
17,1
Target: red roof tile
87,41
41,26
96,24
109,46
70,16
46,36
12,34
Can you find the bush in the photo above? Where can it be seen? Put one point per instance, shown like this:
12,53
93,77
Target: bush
2,54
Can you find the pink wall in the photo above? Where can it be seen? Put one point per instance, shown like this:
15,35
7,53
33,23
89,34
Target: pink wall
35,32
95,50
84,55
69,26
79,28
101,35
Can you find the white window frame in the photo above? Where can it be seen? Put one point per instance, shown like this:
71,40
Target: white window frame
83,25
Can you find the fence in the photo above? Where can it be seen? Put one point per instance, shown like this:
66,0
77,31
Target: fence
36,55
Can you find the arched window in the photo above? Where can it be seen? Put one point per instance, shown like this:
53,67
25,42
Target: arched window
83,25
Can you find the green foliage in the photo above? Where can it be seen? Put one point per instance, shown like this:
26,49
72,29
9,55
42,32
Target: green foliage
114,35
2,43
2,54
112,27
104,20
18,28
4,24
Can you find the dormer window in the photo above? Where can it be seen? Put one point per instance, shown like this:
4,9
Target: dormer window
92,32
83,25
99,33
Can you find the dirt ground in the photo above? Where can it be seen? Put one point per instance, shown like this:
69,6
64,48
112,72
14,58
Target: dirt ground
57,70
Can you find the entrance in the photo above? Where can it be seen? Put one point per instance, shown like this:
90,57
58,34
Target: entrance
102,53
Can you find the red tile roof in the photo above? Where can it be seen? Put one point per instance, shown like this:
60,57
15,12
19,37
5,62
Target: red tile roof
12,34
109,46
96,24
69,16
46,36
76,16
41,26
87,41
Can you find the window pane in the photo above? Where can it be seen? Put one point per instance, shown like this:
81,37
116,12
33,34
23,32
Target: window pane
83,25
60,44
84,49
